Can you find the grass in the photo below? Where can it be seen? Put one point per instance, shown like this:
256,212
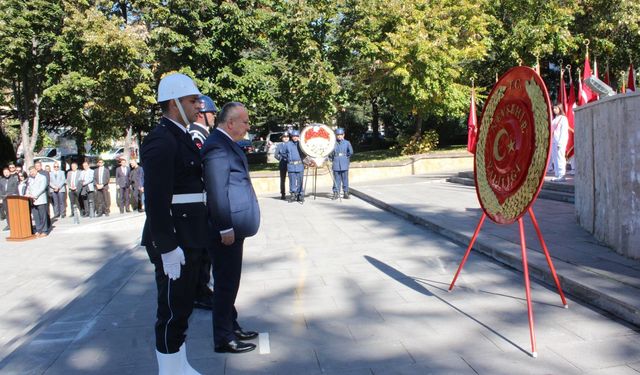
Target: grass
365,156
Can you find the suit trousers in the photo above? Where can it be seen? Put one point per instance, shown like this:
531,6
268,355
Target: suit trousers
3,210
59,199
341,178
40,217
227,267
283,177
123,198
175,300
74,201
103,201
136,198
295,182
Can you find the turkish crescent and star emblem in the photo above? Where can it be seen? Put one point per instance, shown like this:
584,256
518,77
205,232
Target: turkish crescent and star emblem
317,140
512,151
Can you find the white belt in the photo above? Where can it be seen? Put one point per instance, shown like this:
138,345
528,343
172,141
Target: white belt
189,198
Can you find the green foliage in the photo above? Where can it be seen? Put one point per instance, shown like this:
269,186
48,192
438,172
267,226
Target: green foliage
95,64
418,144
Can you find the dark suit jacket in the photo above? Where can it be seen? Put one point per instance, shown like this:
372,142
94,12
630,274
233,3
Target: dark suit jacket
135,177
8,186
231,200
122,178
172,165
105,177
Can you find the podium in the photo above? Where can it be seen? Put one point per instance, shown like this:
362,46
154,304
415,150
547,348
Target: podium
19,213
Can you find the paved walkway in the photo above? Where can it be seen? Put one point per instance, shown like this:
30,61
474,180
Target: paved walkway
339,288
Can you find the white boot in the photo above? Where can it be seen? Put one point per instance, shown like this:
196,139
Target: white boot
186,367
169,364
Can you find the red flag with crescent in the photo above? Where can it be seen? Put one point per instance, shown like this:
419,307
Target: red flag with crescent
570,116
472,124
631,81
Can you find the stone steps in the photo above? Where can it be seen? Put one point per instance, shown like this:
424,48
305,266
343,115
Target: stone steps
557,191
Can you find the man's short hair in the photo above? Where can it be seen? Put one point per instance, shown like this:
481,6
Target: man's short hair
227,110
32,168
164,106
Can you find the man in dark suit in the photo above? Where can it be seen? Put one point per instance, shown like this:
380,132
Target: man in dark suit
73,186
103,198
176,230
235,215
122,182
135,184
8,186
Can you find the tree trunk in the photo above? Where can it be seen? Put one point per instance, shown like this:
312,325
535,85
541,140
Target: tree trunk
375,122
418,124
127,144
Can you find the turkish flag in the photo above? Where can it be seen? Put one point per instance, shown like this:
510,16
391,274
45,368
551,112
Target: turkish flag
607,80
472,125
589,96
570,116
631,81
562,93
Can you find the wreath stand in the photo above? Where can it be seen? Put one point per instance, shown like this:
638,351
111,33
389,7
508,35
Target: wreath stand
317,163
525,267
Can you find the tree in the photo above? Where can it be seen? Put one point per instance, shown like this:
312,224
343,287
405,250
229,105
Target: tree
104,81
28,31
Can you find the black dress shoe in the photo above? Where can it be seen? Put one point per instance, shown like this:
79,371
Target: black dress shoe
346,195
235,346
283,197
245,335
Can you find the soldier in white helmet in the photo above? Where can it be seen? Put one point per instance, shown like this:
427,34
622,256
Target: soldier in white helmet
175,232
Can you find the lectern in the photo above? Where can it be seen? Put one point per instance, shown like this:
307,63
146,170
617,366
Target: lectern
19,214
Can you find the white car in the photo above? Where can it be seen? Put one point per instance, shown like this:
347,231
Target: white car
47,161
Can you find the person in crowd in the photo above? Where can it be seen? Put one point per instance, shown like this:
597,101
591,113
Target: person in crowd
560,128
176,230
123,184
57,187
281,156
199,131
294,155
87,192
340,157
37,190
205,121
23,183
235,215
101,176
74,186
46,174
8,186
135,184
12,169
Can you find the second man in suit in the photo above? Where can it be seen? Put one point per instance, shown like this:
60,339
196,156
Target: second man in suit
103,198
235,215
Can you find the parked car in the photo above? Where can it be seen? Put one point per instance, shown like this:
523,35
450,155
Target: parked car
47,161
272,142
246,146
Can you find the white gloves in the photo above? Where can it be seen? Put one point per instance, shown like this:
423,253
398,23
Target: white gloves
171,263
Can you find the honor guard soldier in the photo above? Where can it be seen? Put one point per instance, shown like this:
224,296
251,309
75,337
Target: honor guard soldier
200,128
340,164
176,228
281,156
295,166
199,131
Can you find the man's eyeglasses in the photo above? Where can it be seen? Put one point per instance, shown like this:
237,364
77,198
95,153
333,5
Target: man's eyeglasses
55,166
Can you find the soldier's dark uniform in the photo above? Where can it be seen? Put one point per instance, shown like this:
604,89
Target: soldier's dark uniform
340,157
295,167
281,156
172,167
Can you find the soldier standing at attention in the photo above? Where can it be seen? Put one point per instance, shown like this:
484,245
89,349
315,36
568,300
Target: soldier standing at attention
340,158
199,131
200,128
293,154
281,156
175,232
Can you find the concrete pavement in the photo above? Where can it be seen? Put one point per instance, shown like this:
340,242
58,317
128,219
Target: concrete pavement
338,288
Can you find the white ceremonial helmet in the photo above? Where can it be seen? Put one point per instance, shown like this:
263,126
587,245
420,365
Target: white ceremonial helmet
175,86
